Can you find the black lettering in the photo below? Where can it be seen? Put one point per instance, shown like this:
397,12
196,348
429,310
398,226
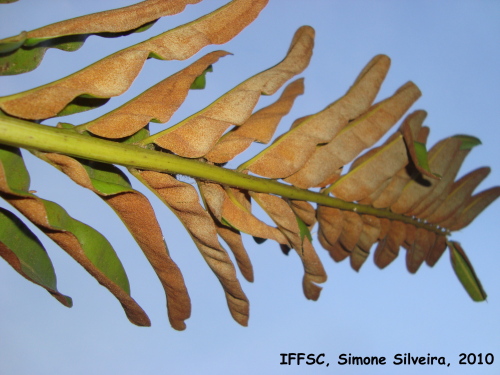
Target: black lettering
283,355
397,359
356,360
344,360
317,359
310,359
378,361
300,356
471,358
462,360
349,359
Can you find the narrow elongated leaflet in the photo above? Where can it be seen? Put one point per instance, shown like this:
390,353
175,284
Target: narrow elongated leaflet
465,272
183,200
260,126
25,253
231,208
286,220
91,86
87,246
134,209
24,52
353,138
197,135
460,190
280,159
157,104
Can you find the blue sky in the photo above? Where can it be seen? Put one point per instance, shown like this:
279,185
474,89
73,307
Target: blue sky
448,48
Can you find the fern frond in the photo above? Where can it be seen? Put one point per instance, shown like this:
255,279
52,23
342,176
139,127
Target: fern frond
394,195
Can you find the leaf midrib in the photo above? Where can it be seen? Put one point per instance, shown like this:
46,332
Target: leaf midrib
49,139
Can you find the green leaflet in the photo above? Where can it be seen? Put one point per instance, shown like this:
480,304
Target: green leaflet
137,137
13,165
7,1
201,81
83,103
303,230
421,152
95,246
135,211
10,44
15,58
25,253
465,272
106,178
468,141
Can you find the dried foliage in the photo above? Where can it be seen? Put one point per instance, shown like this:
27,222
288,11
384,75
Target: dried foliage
396,194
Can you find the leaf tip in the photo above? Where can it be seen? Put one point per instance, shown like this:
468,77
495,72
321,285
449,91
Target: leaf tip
465,272
468,141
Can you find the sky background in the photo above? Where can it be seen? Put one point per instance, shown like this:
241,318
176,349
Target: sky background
450,49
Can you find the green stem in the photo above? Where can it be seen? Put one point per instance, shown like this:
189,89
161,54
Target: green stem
28,135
